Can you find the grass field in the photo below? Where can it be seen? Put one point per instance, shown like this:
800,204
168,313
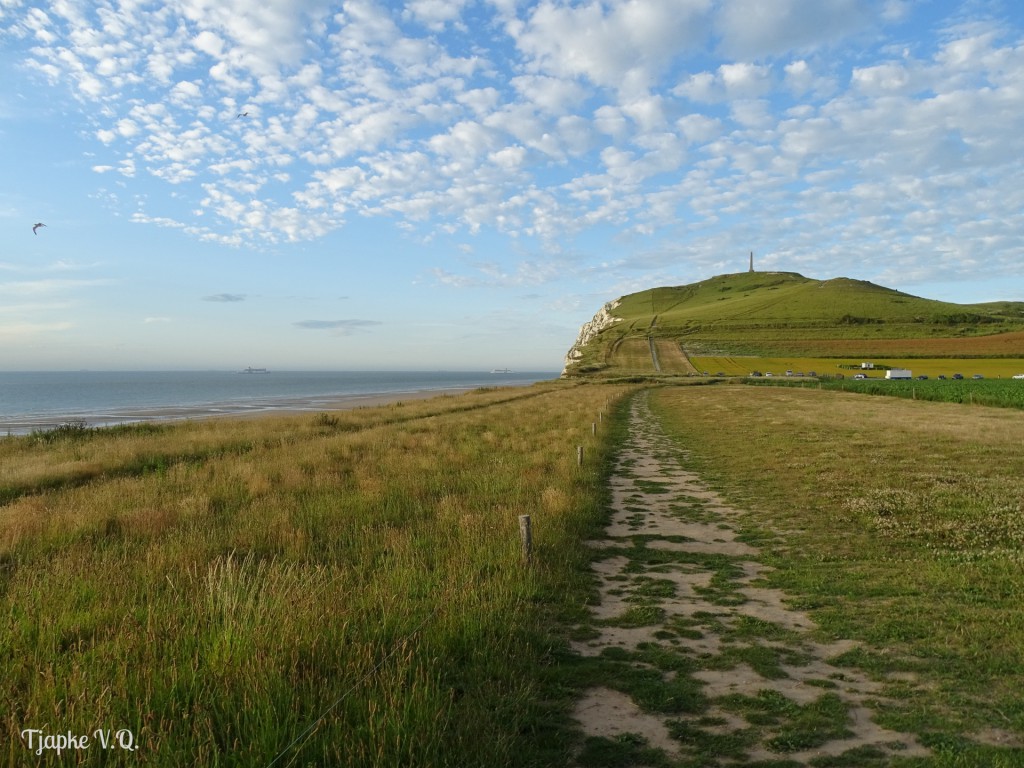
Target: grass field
998,393
341,589
902,528
348,588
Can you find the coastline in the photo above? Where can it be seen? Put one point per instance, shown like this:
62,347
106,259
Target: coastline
270,407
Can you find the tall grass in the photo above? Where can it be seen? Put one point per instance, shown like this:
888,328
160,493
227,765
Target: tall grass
341,589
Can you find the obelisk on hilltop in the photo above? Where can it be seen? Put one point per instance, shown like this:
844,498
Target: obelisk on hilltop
751,261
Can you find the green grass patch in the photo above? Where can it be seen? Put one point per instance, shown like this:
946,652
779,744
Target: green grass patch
893,523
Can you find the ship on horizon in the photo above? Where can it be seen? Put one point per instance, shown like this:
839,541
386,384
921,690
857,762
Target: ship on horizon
250,369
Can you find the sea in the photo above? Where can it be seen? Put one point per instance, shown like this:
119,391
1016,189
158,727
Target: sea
37,401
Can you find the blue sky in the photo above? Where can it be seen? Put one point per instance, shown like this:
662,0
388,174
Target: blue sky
461,184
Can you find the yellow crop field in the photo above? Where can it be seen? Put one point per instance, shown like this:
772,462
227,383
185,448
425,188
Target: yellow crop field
778,366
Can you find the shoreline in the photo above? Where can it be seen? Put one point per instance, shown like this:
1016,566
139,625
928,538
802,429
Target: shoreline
26,425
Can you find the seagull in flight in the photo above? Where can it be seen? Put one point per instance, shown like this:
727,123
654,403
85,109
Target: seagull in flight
241,114
37,226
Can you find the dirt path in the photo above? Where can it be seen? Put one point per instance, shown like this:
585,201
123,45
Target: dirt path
703,664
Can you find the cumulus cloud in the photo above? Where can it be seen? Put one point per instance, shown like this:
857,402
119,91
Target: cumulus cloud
625,46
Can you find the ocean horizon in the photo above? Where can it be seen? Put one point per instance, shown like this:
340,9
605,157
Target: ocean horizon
40,400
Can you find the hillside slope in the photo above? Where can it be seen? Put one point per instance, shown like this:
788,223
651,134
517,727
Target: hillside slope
785,313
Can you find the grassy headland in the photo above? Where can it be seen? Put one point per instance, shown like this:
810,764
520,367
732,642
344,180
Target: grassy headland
752,315
341,589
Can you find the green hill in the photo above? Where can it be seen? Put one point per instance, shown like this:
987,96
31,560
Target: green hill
771,314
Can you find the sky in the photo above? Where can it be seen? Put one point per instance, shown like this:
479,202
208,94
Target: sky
461,184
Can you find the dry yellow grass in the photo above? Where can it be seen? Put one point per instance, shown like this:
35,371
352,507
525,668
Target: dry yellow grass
671,357
932,367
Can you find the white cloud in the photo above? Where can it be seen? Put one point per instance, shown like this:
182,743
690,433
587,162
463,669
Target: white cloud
803,79
185,91
625,47
435,14
649,117
698,128
209,43
882,79
550,94
744,81
730,81
754,29
127,128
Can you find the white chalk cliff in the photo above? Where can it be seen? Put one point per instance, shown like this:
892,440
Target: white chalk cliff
603,319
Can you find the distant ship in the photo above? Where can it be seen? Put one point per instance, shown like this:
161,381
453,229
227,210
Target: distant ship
255,370
502,370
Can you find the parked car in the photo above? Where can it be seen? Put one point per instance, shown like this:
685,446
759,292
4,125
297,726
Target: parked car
1018,375
922,377
942,376
977,376
958,375
860,376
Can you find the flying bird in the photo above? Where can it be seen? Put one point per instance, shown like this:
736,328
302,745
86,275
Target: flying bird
241,114
37,226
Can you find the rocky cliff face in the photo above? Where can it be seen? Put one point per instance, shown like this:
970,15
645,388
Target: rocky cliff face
601,320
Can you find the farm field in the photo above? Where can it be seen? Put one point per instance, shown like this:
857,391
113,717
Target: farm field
990,368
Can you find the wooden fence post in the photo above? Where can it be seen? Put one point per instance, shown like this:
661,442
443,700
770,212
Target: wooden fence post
579,455
526,537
